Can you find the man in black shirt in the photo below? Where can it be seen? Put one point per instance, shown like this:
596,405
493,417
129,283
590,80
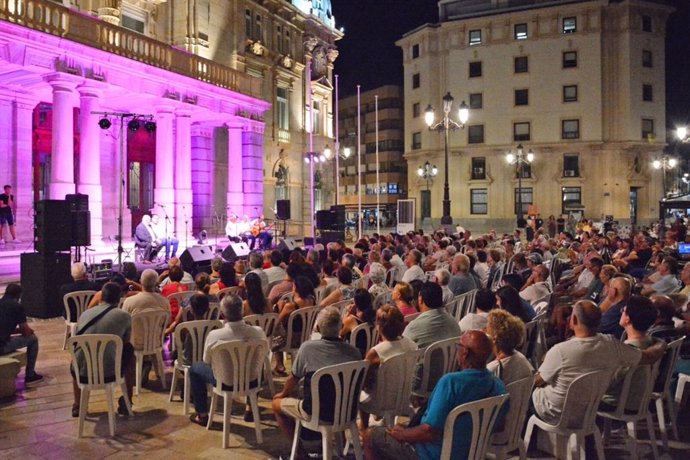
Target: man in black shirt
15,333
7,214
81,283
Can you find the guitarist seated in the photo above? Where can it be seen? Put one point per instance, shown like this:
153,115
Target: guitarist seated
261,231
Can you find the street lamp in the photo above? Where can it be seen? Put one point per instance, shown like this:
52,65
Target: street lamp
664,164
682,134
521,159
446,125
427,172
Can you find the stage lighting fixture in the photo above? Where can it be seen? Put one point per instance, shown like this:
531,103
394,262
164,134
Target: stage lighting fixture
104,123
133,125
150,126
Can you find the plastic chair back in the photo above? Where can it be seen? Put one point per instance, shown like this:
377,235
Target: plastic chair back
411,317
394,384
182,298
667,366
150,326
439,359
511,435
93,348
363,337
80,300
197,331
483,415
342,305
237,363
582,400
307,316
382,299
267,322
228,290
465,304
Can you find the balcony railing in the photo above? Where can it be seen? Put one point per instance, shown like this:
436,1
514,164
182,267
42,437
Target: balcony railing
54,19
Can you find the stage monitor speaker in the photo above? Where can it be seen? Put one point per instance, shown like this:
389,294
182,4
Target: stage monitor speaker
77,202
283,209
236,251
287,244
324,220
197,259
41,276
81,228
330,236
52,226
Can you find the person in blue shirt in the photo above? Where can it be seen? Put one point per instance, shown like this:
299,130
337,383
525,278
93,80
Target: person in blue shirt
424,441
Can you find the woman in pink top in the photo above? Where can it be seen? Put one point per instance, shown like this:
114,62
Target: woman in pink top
403,295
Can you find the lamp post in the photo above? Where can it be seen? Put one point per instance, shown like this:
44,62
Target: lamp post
520,158
313,159
427,172
446,125
664,164
682,134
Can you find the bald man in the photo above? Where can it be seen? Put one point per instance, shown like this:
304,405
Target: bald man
612,307
473,382
587,351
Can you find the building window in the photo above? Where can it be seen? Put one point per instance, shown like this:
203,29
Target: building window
569,25
248,24
569,59
475,69
527,199
415,51
646,23
259,31
282,109
571,197
647,59
316,122
571,165
475,37
570,93
647,93
647,128
521,131
416,110
521,97
415,81
475,134
478,168
570,129
134,24
520,32
476,101
521,64
416,140
479,201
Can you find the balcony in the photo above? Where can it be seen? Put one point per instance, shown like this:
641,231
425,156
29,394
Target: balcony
54,19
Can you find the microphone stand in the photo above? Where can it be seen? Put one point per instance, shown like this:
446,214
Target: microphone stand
167,219
186,228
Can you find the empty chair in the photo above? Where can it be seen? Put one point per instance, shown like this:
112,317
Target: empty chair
237,366
91,348
483,415
80,301
228,290
578,414
267,322
662,392
439,359
510,439
150,326
633,406
336,411
194,333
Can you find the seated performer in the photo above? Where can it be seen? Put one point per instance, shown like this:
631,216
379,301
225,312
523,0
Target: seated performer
163,236
232,229
260,230
145,238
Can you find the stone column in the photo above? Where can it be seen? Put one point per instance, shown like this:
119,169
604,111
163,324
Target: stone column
62,160
89,182
183,176
235,199
252,173
203,181
164,191
23,156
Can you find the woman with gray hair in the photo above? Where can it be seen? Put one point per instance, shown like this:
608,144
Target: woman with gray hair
377,276
442,278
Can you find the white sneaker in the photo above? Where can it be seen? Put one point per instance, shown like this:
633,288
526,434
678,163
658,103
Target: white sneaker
16,240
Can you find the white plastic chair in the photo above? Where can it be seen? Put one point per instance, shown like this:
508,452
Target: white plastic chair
366,330
347,380
267,322
308,317
662,391
342,305
411,317
228,290
363,282
382,299
213,312
80,300
510,438
93,348
464,304
578,414
318,293
182,298
237,366
535,340
633,408
196,332
483,414
443,356
680,389
150,326
452,307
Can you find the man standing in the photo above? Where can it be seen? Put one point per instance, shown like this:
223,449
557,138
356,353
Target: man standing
163,239
145,238
424,441
15,333
7,214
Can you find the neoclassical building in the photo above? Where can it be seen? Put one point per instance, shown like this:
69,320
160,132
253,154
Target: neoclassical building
580,83
222,84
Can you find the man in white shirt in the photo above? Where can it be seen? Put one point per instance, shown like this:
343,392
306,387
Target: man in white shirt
163,235
536,288
147,300
484,301
414,271
201,373
232,228
275,272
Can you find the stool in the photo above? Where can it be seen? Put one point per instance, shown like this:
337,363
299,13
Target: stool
10,365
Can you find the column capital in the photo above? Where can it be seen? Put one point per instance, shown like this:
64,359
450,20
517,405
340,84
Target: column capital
180,113
164,109
234,124
88,91
61,82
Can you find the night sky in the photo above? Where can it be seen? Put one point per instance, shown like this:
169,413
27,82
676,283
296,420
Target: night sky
369,57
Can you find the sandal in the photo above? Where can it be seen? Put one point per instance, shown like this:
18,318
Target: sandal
199,419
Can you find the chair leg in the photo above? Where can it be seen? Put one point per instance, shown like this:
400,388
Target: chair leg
83,404
327,443
67,334
173,384
160,369
631,441
211,410
257,417
139,371
354,437
599,444
269,375
672,415
295,440
521,450
652,436
662,422
227,408
111,409
125,396
185,391
528,433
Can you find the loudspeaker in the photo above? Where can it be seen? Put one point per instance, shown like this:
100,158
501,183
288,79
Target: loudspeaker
324,220
52,226
330,236
283,209
77,202
81,228
42,275
197,259
236,251
287,243
338,217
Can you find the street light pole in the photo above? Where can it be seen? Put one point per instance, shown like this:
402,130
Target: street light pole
447,124
666,163
520,158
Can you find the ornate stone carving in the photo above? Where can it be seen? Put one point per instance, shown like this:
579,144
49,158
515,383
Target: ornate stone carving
287,61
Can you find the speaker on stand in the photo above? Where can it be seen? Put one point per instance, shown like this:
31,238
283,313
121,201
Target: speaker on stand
283,213
80,220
